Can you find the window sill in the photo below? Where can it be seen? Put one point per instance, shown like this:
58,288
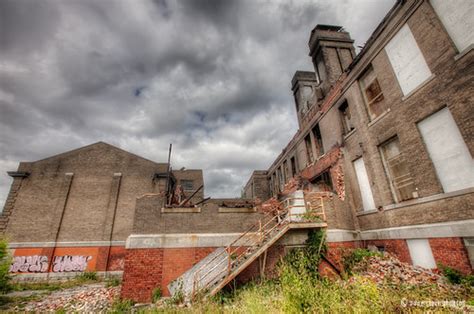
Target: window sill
419,87
180,210
464,52
346,136
366,212
417,201
237,210
428,199
378,118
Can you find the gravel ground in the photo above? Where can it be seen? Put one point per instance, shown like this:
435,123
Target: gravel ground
87,298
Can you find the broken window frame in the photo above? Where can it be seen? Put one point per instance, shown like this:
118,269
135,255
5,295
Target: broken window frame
368,82
281,180
346,118
326,179
318,141
309,149
399,184
285,170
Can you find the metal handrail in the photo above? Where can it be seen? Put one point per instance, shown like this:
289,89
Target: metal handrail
255,238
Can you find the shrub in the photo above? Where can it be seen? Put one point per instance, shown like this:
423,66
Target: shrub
468,281
88,276
307,259
355,257
5,262
455,277
156,294
121,306
112,282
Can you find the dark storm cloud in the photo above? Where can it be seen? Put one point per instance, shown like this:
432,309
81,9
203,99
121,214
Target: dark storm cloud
213,77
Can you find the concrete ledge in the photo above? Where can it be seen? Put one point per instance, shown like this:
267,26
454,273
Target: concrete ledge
180,240
341,235
463,228
307,225
14,245
417,201
237,210
20,277
179,210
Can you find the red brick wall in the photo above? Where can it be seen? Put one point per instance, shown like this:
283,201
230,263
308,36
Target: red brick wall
451,252
142,273
146,269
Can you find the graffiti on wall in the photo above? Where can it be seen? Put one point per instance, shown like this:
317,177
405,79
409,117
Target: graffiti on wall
39,263
29,264
70,263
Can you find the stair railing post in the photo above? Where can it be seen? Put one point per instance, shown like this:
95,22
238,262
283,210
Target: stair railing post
260,230
229,261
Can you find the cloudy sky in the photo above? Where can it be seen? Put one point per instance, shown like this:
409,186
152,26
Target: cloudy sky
211,77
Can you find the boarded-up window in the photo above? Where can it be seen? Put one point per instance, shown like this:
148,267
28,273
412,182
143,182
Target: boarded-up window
309,149
458,19
400,178
420,253
372,92
364,184
318,141
450,155
346,117
407,60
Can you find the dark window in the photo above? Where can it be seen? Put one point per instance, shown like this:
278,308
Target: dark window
318,140
293,166
346,117
187,184
275,183
323,182
309,149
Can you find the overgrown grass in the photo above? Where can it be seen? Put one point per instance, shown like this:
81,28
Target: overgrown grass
300,289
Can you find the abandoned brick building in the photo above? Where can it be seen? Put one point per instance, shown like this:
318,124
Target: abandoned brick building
382,156
76,209
390,132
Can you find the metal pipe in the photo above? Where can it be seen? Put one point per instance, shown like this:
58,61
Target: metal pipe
167,187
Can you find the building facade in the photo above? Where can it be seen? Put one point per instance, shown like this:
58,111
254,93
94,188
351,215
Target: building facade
73,212
390,132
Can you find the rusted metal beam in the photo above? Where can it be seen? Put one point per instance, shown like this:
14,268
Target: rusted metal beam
191,196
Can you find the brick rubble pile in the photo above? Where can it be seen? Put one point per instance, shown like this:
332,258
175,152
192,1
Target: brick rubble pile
90,298
388,269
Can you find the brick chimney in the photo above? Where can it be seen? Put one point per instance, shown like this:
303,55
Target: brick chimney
332,50
307,92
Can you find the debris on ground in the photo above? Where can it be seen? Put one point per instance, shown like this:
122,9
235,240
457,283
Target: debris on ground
387,268
87,298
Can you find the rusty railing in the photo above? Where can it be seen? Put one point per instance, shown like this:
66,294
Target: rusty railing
254,237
